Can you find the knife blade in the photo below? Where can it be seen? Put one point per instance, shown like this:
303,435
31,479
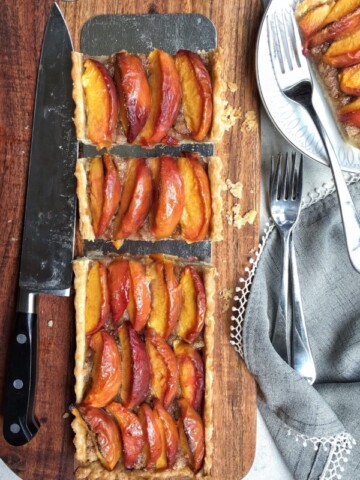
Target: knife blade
49,223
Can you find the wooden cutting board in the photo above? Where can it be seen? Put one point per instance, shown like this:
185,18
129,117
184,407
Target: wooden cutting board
50,455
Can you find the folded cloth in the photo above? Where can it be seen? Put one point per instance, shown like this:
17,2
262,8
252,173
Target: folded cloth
314,427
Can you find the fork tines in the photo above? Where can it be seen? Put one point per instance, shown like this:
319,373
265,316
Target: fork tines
285,42
281,185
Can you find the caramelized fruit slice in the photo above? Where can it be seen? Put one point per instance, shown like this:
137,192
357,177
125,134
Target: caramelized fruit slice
313,20
97,309
161,462
106,371
335,31
204,189
197,93
164,381
103,431
112,194
101,103
344,52
131,432
169,198
165,97
153,439
134,93
171,433
349,80
96,183
175,298
191,372
159,298
135,367
340,10
350,113
194,431
136,199
119,286
192,315
139,306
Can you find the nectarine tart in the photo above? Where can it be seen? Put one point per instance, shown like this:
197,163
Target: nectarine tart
150,99
331,37
143,367
150,198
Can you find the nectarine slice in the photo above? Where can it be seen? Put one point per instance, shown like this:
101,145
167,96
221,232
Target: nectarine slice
349,80
169,198
153,439
344,52
139,306
96,183
112,194
106,371
136,199
131,432
171,433
340,10
313,20
103,431
97,309
161,462
164,381
350,113
175,298
335,31
191,372
192,315
101,103
165,97
197,93
119,287
193,215
194,431
159,298
205,193
135,367
134,92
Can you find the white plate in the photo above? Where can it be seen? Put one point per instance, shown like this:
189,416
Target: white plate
293,122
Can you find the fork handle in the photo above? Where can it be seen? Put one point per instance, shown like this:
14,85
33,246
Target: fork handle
280,335
350,217
302,360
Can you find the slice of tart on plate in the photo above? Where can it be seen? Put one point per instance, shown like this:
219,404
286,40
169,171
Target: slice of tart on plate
331,38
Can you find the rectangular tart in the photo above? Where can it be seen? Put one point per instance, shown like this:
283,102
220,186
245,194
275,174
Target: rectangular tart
151,99
120,358
150,199
331,38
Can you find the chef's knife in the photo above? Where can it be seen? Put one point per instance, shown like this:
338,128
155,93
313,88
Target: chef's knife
49,223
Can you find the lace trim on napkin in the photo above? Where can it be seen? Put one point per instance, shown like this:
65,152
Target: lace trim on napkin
340,445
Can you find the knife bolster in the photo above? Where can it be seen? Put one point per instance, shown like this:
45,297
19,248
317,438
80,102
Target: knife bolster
26,302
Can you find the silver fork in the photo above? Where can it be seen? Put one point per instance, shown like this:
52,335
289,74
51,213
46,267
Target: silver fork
294,79
285,203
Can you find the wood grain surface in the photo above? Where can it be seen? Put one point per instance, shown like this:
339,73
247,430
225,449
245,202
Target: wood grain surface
50,455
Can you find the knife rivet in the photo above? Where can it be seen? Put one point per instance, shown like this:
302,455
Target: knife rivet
21,338
14,428
18,384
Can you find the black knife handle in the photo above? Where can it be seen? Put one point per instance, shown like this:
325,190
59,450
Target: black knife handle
20,424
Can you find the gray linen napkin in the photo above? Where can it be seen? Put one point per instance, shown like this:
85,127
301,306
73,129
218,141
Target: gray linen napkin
314,427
